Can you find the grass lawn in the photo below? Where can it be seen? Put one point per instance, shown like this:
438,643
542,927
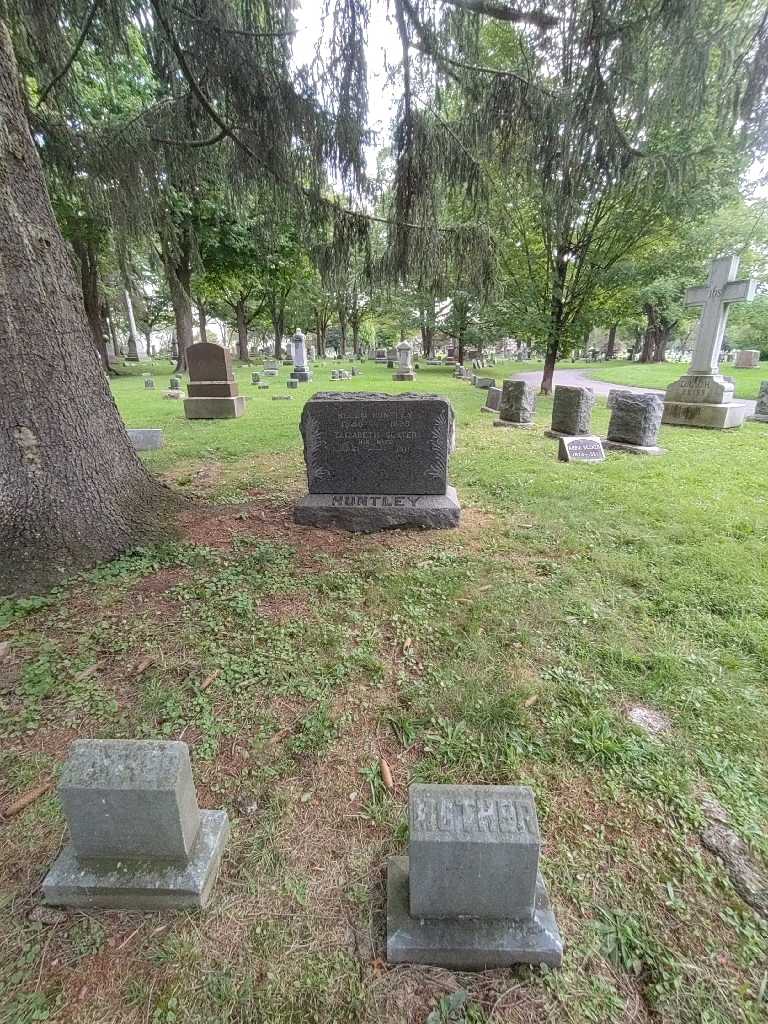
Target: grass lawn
660,375
510,650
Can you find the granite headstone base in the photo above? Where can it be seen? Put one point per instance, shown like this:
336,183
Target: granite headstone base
127,884
403,376
706,415
632,449
511,423
214,408
368,513
301,375
467,943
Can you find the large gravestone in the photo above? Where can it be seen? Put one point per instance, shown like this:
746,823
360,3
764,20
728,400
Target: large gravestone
703,397
747,359
518,402
404,370
376,461
760,414
137,838
213,393
635,422
469,895
300,371
571,411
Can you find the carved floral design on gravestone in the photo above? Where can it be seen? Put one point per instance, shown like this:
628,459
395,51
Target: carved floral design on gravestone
438,468
313,439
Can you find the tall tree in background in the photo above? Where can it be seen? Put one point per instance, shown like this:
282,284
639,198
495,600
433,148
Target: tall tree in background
583,123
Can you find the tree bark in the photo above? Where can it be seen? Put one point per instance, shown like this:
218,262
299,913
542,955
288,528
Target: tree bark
73,491
148,336
133,336
89,284
321,325
610,351
554,341
242,331
202,319
650,341
343,334
178,271
278,326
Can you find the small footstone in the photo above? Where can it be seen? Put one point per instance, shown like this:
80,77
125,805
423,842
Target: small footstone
470,895
138,839
146,439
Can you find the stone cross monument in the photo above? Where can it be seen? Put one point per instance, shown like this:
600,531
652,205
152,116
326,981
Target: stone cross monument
704,398
300,369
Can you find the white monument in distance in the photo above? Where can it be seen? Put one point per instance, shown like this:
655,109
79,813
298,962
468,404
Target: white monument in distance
703,397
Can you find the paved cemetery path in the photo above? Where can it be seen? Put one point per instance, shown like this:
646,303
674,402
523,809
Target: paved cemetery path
578,378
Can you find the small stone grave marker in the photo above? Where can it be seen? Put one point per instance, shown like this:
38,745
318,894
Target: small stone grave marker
149,383
581,449
146,439
137,838
469,894
747,359
492,401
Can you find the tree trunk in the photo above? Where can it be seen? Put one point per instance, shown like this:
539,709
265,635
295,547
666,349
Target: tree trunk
320,328
610,351
73,491
148,336
202,320
427,325
355,338
650,341
242,331
111,328
343,332
555,325
177,261
278,326
133,337
89,284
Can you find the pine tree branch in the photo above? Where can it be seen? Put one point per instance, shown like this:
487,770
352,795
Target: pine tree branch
233,31
501,12
72,57
195,143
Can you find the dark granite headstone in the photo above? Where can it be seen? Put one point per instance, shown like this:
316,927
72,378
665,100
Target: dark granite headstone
572,410
213,393
635,422
376,460
581,449
518,401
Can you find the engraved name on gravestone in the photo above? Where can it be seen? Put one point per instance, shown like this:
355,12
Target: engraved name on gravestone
363,443
474,851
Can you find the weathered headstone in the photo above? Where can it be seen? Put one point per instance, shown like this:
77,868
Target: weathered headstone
703,398
146,439
255,378
571,411
301,369
485,382
391,358
469,895
581,448
212,391
380,355
760,414
138,839
263,386
635,422
747,359
376,461
518,402
174,383
492,401
404,369
292,382
149,383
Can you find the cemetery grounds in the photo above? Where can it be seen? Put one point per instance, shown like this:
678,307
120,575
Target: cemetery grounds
517,649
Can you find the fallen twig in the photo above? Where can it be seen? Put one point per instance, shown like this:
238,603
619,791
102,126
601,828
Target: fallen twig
27,798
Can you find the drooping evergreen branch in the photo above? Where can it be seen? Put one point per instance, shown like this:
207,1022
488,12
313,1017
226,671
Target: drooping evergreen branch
502,12
72,57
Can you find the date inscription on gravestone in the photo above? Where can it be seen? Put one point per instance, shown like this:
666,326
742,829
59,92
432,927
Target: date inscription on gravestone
372,444
581,449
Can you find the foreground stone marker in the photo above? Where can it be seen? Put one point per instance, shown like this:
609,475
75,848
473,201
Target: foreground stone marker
635,422
376,461
703,397
138,839
470,895
518,402
571,411
760,414
213,393
580,449
146,439
149,383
